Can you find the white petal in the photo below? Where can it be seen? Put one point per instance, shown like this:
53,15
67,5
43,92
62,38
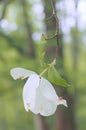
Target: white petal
29,92
47,107
43,106
62,102
36,107
21,73
48,90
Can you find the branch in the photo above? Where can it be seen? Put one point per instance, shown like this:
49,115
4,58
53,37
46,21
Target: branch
55,16
51,37
57,22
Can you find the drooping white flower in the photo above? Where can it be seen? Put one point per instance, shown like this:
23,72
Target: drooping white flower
39,95
21,73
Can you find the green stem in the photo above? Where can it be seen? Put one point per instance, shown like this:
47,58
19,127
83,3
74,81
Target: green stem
50,65
43,71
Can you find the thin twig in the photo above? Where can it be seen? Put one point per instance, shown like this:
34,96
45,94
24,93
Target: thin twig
56,19
54,15
51,37
49,18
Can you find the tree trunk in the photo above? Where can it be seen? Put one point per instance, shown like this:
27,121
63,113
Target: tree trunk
65,119
39,123
30,50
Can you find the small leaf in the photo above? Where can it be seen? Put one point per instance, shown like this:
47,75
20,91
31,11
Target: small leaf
55,77
43,38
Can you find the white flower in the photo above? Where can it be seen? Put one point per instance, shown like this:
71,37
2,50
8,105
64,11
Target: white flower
39,95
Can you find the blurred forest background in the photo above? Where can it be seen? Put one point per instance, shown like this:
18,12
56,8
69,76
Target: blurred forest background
22,23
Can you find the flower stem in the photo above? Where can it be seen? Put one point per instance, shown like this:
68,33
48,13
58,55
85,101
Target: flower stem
50,65
44,71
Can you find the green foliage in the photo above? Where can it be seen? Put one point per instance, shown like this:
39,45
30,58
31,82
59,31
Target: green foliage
12,113
43,38
55,77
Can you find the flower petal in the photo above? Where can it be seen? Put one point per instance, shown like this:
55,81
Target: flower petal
48,90
36,107
29,92
43,106
21,73
47,107
62,102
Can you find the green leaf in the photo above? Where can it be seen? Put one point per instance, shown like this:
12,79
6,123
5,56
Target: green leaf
55,77
43,38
